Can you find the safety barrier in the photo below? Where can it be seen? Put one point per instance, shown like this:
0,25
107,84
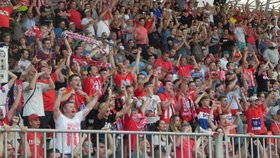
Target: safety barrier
133,144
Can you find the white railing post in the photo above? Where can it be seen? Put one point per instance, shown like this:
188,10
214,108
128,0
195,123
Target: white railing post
219,149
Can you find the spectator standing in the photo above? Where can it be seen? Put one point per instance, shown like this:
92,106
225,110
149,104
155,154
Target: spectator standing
69,120
75,16
32,94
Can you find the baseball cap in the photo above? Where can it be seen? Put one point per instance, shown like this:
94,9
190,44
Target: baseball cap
33,117
253,98
143,73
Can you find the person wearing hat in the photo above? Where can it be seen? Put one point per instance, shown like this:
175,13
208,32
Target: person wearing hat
88,23
34,123
254,112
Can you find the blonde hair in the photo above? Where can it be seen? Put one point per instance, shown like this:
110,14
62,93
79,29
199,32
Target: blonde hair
172,126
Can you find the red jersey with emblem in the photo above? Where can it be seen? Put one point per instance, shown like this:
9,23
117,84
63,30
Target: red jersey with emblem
166,114
92,84
120,80
255,120
38,143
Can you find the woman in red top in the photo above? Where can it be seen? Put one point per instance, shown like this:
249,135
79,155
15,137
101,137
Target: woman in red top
124,77
187,144
251,38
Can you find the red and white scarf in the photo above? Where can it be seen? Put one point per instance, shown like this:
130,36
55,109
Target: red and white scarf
85,39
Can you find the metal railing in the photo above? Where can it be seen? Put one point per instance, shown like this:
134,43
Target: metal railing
121,143
135,144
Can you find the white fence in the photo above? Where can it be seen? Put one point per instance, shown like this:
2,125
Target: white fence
132,144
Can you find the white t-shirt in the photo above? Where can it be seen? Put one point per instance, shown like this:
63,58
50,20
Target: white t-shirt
224,63
103,26
23,63
35,105
239,34
3,97
152,107
90,28
63,140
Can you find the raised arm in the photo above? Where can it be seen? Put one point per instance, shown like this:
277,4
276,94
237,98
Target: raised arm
66,96
137,61
145,104
256,60
197,100
51,83
23,143
33,81
12,80
15,105
228,108
111,145
210,118
56,111
104,108
128,104
235,123
91,104
178,60
267,99
78,147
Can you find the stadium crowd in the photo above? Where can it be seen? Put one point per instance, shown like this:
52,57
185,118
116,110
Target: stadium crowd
139,65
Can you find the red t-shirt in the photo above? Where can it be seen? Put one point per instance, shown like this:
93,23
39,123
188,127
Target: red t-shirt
5,16
139,92
75,18
130,125
49,96
167,65
39,142
255,120
77,99
91,84
148,24
5,121
186,149
275,128
141,32
184,70
166,114
120,80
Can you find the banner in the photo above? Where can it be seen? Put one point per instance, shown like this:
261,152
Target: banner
4,67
